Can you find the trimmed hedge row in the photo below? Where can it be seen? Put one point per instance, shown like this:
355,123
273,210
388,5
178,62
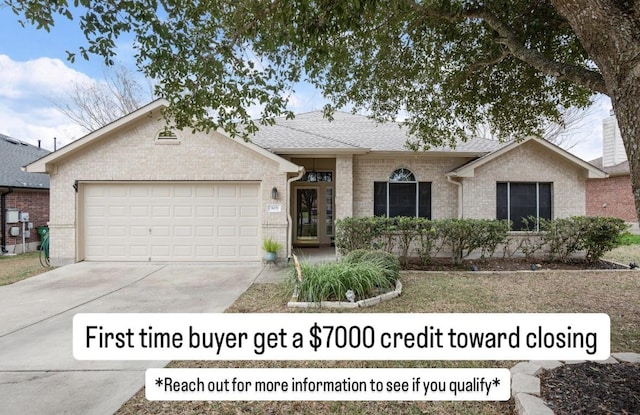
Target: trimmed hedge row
406,236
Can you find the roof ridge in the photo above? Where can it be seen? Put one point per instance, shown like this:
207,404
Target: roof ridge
319,135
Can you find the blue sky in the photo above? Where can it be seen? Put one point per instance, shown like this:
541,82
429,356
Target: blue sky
34,73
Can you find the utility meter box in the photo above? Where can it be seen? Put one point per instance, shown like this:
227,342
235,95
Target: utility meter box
12,215
14,231
24,217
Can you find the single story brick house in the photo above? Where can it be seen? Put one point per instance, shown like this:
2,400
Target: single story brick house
131,192
21,192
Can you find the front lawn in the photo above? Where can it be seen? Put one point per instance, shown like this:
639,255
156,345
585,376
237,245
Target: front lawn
614,293
14,268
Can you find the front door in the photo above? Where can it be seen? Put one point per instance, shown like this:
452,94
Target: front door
313,201
307,221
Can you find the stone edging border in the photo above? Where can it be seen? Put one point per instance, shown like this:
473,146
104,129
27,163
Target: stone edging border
525,384
367,302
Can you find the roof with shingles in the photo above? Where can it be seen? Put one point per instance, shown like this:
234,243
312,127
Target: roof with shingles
14,154
621,169
311,131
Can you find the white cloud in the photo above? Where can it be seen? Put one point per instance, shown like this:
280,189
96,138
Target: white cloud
589,135
26,110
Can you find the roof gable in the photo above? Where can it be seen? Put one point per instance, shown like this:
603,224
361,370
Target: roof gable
153,109
468,170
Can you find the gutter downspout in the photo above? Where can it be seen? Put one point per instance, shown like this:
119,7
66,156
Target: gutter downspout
3,216
460,196
287,204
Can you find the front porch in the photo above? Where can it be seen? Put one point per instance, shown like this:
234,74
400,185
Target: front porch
316,255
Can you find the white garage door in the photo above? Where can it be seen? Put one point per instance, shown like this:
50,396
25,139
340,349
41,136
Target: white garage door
171,221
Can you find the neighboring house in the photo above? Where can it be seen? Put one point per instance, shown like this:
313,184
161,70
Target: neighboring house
129,192
614,195
21,192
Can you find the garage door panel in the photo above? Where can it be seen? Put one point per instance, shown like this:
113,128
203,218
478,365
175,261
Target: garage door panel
227,191
249,212
160,212
248,232
227,212
206,231
171,221
226,231
139,211
183,212
139,230
249,192
248,251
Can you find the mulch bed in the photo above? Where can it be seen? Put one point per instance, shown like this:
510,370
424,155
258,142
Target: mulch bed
506,264
592,388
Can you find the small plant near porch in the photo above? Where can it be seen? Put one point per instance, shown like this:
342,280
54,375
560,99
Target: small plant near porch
271,248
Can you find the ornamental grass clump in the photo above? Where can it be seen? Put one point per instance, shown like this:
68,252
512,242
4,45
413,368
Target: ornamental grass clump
387,262
366,273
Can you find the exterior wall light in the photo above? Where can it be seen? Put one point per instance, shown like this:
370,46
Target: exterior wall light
274,193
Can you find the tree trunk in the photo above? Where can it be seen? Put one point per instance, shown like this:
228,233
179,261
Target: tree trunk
609,30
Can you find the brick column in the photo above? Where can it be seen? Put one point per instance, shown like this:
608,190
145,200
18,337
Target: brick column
344,186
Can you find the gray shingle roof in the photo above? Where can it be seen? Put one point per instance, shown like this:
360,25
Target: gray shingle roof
621,169
15,154
311,131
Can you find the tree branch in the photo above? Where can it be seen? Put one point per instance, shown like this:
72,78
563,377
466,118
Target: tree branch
480,65
587,78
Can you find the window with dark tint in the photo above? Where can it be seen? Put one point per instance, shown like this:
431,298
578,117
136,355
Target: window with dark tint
519,201
402,195
380,199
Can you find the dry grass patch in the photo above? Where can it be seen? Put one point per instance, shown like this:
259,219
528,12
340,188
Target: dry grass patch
614,293
624,254
15,268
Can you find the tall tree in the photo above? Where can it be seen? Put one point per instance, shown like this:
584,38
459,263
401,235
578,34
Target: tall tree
94,104
451,65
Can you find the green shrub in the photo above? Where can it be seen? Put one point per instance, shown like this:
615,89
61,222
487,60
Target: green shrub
528,241
406,230
359,233
593,235
491,234
463,236
427,238
600,235
560,237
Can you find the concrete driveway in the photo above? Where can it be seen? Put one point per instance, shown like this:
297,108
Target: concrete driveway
38,373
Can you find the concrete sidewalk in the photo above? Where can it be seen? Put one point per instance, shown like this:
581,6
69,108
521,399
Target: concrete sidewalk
38,373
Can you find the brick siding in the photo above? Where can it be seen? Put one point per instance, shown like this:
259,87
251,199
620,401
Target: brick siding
526,163
611,197
36,203
369,169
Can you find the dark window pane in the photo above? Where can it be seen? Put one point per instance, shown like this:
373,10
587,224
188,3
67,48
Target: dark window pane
523,204
424,200
545,200
380,198
402,199
501,202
